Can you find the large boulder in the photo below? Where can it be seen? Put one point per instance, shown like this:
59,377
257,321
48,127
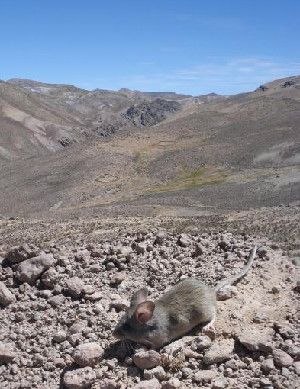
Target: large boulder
31,269
6,297
88,354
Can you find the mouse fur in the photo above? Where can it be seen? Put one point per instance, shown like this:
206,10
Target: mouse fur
186,305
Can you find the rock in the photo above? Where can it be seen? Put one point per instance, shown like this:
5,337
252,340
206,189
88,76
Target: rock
78,327
183,240
201,343
108,384
219,352
6,353
146,359
49,278
118,303
297,287
80,378
151,384
296,261
224,245
297,367
6,297
282,359
74,287
204,376
173,383
219,383
140,248
57,300
18,254
118,279
31,269
60,336
267,365
262,251
257,340
160,238
177,346
157,372
198,251
226,292
88,354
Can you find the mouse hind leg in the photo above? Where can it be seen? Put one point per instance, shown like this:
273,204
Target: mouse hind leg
209,328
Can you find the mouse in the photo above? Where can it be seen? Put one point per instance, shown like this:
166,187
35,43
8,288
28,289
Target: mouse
186,305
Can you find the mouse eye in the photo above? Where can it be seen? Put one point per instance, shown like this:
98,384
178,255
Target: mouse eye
126,327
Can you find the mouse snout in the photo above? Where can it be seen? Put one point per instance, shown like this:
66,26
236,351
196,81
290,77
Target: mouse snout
118,333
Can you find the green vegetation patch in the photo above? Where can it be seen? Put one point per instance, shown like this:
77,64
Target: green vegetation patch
192,179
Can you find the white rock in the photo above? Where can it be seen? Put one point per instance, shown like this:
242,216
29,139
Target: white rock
6,297
74,287
6,353
204,376
219,352
31,269
80,378
151,384
88,354
282,359
146,359
173,383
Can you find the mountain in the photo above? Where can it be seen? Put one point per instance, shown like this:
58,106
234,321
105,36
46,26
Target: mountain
38,118
71,152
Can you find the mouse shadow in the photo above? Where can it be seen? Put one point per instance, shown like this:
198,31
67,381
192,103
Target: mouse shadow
119,350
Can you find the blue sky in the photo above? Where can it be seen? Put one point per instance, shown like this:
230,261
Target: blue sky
189,46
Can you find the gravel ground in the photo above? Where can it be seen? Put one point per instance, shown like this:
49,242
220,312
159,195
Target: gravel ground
60,301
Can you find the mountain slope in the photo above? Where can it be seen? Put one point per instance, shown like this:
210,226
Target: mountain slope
210,156
38,118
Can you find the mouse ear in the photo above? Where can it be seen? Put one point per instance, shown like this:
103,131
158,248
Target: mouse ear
144,311
139,297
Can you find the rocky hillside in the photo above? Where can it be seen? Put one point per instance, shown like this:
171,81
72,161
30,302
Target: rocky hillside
61,300
181,157
37,118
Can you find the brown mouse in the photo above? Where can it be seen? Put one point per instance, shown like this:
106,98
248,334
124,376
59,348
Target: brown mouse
188,304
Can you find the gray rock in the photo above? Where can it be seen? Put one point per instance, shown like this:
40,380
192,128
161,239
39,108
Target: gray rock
6,297
118,278
6,353
157,372
151,384
219,383
262,251
226,292
49,278
80,378
57,300
74,287
267,365
201,343
183,240
19,253
60,336
219,352
88,354
108,384
282,359
31,269
198,251
146,359
297,367
173,383
204,376
257,340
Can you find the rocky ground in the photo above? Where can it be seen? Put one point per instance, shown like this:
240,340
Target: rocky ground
61,298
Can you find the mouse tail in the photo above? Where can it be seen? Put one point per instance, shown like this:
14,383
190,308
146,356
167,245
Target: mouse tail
233,280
